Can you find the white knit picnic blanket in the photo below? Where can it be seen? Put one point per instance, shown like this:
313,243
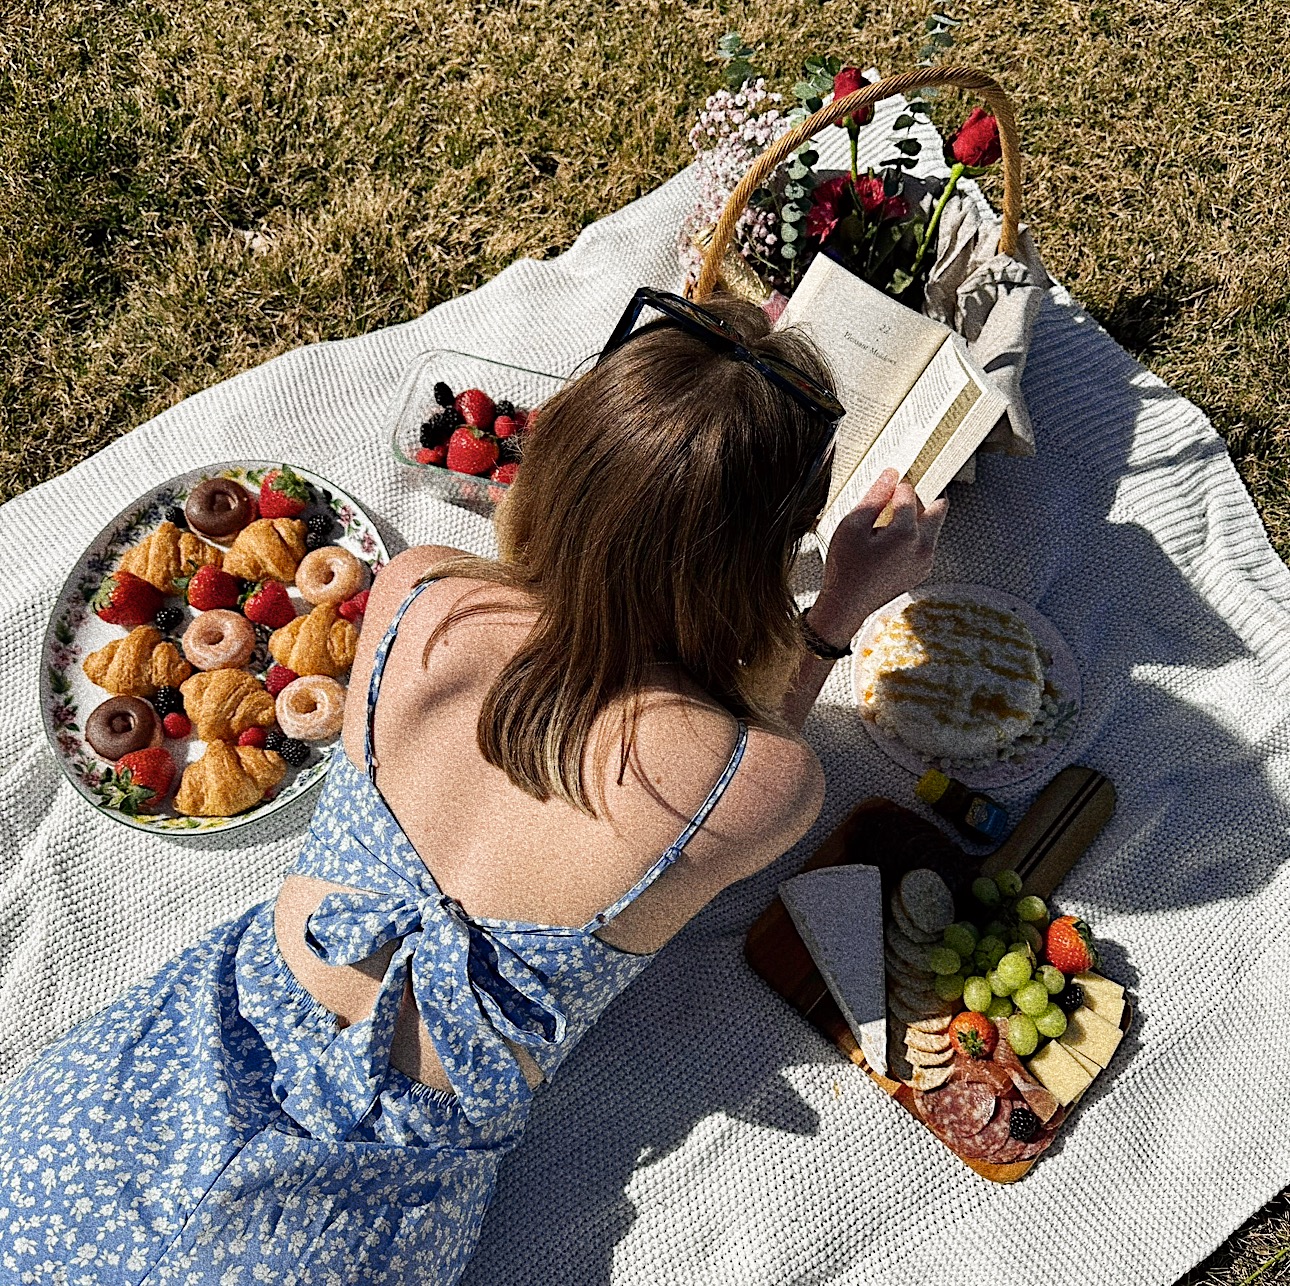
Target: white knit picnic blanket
703,1134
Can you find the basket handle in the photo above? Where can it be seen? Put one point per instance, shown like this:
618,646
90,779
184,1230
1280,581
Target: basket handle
766,164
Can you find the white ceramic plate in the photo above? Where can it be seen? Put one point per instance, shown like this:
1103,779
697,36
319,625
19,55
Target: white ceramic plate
67,697
1062,695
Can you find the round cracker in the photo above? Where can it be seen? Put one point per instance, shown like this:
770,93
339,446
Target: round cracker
903,1011
930,1042
908,927
906,972
927,901
927,1003
927,1058
931,1078
912,953
936,1026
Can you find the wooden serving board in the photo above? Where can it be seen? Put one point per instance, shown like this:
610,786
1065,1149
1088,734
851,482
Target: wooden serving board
877,832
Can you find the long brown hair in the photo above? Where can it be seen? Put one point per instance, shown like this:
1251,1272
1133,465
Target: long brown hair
655,518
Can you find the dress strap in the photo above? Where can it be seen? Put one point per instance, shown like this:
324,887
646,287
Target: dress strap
678,847
378,670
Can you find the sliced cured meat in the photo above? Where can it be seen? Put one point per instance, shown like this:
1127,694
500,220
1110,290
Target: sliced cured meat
990,1143
1042,1102
982,1071
960,1110
1045,1136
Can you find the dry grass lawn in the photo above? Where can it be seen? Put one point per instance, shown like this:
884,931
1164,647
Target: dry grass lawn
189,188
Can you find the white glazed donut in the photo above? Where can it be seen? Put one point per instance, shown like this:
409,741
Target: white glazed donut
311,708
219,640
331,575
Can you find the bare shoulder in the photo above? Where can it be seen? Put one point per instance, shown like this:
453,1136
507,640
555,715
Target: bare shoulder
397,579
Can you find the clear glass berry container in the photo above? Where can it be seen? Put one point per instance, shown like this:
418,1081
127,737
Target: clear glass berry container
414,402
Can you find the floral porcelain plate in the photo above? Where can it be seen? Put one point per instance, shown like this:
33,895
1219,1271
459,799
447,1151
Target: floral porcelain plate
1030,753
67,696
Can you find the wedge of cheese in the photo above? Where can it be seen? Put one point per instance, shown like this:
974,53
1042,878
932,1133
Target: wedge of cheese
1104,997
1088,1034
1055,1068
1084,1061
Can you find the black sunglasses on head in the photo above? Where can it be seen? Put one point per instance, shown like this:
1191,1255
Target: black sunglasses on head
699,322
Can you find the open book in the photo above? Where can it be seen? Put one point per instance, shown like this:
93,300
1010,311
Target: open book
915,401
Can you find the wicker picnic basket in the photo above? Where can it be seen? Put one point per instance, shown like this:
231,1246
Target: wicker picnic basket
719,243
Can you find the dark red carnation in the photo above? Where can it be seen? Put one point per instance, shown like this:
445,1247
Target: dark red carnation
870,192
977,142
826,203
896,207
847,81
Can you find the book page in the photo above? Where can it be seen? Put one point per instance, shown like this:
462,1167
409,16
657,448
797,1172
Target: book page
932,411
876,346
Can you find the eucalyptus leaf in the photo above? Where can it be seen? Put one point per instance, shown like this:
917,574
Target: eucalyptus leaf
808,157
942,39
901,280
804,89
794,190
903,121
814,104
823,83
908,146
794,214
788,252
795,116
787,232
812,65
918,106
947,20
833,64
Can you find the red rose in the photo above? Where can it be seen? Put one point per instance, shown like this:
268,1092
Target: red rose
825,207
895,207
871,195
847,81
977,142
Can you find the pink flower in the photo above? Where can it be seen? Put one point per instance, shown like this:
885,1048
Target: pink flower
825,207
977,142
847,81
870,192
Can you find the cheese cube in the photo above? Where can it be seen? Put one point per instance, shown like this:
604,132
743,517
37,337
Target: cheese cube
1104,997
1084,1061
1091,1035
1057,1071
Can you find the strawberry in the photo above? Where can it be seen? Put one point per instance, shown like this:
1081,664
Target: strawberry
352,608
277,678
284,494
475,408
127,599
140,780
269,604
469,451
505,472
253,737
432,455
506,426
422,455
210,587
973,1034
1069,945
177,726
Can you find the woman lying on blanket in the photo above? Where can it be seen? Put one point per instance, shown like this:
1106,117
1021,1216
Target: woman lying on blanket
553,761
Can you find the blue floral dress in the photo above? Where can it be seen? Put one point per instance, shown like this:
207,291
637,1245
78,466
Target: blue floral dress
217,1124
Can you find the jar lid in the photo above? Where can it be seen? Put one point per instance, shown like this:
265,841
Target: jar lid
931,786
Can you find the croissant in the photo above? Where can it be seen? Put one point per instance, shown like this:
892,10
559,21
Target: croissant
268,547
227,779
321,643
168,553
137,665
224,703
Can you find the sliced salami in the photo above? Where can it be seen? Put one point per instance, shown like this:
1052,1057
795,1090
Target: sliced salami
1045,1136
982,1071
961,1110
1042,1102
990,1143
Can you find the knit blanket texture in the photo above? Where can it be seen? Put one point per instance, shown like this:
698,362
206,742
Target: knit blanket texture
703,1134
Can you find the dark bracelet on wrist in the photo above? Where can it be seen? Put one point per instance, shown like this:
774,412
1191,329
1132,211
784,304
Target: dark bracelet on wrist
817,646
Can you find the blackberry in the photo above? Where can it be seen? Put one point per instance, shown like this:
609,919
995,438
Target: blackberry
504,407
1070,998
1023,1125
318,531
443,394
508,450
168,618
168,700
262,633
176,515
293,751
439,425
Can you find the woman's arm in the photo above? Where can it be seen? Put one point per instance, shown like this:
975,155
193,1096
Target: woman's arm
867,566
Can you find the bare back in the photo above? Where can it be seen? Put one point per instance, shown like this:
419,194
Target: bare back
503,854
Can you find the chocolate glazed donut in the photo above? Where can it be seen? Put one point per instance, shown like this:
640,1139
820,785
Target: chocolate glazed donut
122,725
218,508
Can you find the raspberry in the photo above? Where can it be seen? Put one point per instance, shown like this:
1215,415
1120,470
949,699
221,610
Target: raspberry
168,701
443,394
505,473
423,455
506,426
277,678
1023,1124
253,737
353,608
168,618
177,726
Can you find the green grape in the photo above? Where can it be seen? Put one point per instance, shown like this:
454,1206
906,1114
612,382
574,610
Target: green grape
1033,998
943,960
989,944
997,929
962,938
948,986
1031,908
1022,949
1052,978
1008,883
1000,1007
1014,971
997,984
1023,1035
977,994
985,890
996,953
1033,937
1052,1022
